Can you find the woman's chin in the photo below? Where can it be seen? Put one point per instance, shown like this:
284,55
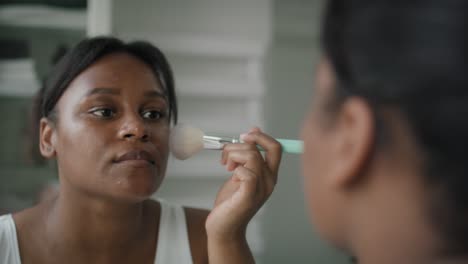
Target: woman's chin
134,196
137,189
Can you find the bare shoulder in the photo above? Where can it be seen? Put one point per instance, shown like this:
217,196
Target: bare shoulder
29,225
196,219
29,218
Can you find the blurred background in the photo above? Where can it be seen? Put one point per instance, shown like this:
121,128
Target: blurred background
237,63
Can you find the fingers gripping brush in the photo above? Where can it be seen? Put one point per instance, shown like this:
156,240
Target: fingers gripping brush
186,141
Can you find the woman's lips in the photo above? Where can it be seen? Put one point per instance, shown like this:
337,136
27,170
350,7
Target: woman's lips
136,157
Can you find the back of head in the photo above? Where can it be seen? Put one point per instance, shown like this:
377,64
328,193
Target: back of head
412,56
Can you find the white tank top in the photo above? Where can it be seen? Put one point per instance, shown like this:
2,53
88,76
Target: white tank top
173,244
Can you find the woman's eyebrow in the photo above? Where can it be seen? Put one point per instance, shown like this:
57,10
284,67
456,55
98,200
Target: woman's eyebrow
116,91
156,94
103,90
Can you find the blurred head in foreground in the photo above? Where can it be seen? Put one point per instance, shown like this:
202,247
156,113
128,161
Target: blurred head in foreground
385,168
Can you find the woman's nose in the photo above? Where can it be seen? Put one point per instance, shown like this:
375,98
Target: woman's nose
133,128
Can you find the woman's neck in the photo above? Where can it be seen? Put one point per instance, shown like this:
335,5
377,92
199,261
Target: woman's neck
76,221
390,223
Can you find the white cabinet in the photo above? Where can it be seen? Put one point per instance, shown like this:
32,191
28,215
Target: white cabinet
43,28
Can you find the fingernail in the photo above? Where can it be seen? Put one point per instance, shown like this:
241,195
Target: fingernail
255,129
243,136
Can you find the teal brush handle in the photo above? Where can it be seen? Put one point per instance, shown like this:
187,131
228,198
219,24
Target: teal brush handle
291,145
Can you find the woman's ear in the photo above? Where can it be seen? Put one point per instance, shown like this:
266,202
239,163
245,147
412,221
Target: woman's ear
354,141
47,138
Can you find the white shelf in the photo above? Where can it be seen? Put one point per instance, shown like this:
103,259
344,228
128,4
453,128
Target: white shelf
226,116
222,77
43,16
204,45
217,89
238,28
17,77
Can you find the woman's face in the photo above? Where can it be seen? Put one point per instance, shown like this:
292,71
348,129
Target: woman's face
318,158
111,137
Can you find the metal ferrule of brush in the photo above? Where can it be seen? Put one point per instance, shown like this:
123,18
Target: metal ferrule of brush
213,142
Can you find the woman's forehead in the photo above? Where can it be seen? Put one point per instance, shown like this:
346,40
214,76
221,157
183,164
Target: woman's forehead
120,71
121,74
120,67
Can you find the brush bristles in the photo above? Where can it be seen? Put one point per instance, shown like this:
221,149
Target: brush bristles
185,141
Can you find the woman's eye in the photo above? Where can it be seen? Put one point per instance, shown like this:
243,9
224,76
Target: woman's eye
153,115
103,112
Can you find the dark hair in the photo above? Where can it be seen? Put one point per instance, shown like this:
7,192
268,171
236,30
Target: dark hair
412,55
87,52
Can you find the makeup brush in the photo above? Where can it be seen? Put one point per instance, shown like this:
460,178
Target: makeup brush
186,140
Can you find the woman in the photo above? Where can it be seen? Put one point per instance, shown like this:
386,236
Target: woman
386,137
105,116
